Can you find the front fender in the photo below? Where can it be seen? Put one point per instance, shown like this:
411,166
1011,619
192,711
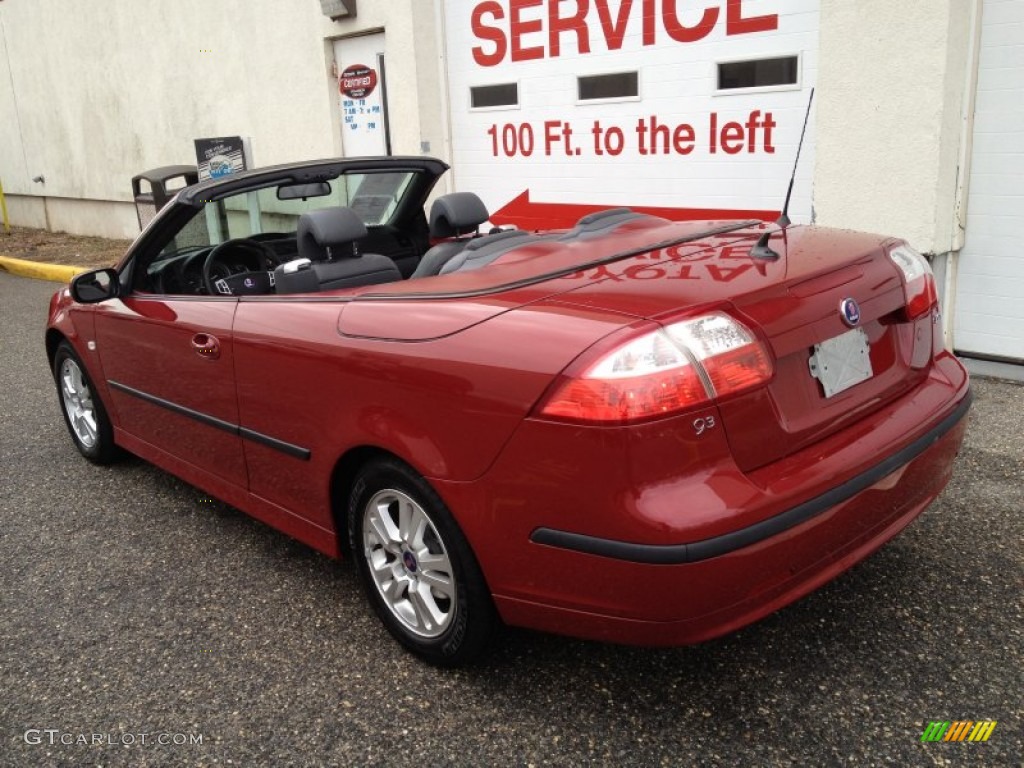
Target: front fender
75,323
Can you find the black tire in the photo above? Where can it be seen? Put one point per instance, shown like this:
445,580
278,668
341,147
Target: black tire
439,606
81,405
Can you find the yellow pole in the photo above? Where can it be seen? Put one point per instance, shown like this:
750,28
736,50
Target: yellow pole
3,208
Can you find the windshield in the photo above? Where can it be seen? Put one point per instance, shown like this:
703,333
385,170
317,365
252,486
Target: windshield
374,197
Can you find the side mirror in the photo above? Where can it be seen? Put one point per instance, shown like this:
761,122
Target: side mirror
95,286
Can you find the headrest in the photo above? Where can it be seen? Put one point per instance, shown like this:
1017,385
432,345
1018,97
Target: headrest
322,235
456,214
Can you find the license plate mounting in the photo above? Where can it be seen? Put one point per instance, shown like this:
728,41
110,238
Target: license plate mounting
842,362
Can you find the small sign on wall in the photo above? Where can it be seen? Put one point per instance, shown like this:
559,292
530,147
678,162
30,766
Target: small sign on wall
223,156
218,158
357,81
362,95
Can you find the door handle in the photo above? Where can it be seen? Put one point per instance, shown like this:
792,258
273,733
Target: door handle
206,345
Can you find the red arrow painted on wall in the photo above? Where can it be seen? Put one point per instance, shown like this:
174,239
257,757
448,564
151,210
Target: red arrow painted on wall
528,214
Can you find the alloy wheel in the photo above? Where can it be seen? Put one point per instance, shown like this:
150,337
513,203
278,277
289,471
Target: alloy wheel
78,403
409,563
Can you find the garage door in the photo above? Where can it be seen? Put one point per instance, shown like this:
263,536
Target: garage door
687,110
990,283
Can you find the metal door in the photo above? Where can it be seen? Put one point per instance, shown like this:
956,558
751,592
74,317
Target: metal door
989,312
362,95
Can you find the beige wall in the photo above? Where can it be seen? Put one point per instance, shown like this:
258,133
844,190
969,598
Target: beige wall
891,89
94,91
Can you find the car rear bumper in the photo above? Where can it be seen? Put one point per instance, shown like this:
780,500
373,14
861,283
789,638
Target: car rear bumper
726,543
673,544
755,581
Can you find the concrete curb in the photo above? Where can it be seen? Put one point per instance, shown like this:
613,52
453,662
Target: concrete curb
58,273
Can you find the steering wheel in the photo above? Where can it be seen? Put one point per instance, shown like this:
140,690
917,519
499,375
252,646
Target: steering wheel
256,281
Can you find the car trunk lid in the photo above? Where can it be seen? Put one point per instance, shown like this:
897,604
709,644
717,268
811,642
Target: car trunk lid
794,304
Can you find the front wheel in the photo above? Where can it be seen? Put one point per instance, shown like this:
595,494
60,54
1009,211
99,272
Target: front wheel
417,568
84,414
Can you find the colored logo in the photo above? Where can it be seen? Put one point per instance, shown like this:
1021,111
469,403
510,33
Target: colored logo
958,730
850,311
409,561
220,166
357,81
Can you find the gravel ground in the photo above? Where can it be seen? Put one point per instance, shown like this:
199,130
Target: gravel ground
61,248
132,604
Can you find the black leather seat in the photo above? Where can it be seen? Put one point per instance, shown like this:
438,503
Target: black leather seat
451,216
329,257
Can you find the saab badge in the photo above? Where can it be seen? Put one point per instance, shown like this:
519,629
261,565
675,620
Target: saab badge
850,311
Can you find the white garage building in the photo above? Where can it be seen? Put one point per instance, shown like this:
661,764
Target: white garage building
989,281
552,108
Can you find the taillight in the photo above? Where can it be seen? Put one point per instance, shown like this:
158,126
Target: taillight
661,372
918,280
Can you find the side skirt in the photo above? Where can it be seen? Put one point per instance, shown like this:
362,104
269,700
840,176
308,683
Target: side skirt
321,539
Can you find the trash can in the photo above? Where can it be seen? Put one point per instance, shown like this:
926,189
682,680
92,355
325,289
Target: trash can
161,189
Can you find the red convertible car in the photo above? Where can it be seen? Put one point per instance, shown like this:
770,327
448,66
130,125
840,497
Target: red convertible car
633,430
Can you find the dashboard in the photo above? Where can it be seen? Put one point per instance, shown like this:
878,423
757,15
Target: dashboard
182,273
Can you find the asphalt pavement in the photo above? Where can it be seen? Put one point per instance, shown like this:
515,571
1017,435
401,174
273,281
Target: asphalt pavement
136,611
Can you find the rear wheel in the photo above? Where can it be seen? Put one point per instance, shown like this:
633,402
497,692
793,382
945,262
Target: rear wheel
84,414
417,568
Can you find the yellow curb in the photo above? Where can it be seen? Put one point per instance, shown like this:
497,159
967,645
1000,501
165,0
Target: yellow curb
58,273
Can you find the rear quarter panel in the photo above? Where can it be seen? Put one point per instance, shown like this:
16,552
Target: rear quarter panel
445,406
